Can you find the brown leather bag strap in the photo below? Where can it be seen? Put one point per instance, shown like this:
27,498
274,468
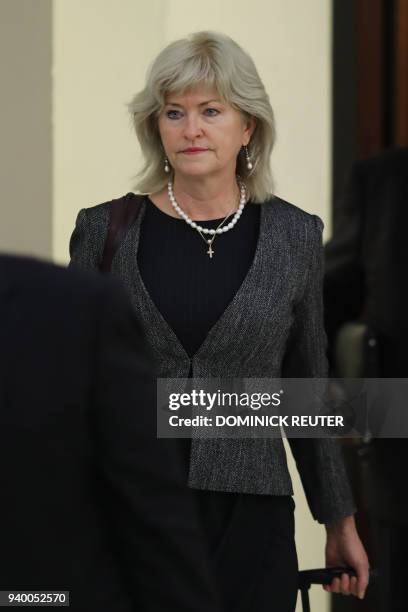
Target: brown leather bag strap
123,212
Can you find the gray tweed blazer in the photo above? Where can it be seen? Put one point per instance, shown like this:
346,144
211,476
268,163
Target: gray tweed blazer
273,327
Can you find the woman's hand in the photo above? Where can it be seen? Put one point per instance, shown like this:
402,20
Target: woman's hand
344,547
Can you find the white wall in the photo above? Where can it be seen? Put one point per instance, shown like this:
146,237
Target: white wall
101,52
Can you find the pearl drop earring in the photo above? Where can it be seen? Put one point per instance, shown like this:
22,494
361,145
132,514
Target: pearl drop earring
166,165
248,159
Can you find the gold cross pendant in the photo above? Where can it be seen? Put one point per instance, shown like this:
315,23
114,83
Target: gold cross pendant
210,252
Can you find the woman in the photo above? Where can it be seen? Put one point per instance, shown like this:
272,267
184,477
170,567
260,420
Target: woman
226,281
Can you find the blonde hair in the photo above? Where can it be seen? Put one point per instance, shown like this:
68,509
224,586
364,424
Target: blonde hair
215,60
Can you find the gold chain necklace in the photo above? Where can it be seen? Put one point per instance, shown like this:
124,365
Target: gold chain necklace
209,241
204,230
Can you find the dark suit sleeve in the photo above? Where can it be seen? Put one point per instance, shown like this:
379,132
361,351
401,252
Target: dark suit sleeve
155,523
318,460
343,287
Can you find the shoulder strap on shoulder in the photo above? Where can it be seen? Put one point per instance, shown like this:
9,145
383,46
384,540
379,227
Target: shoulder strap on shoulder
123,212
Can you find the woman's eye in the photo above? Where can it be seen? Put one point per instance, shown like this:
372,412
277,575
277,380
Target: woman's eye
173,114
212,112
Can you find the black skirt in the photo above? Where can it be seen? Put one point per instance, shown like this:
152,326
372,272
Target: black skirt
251,540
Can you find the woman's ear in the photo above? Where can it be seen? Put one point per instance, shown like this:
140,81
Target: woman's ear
250,125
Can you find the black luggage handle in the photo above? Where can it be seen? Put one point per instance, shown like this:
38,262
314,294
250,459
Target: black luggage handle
322,576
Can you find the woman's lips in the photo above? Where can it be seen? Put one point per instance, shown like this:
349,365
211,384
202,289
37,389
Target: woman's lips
194,151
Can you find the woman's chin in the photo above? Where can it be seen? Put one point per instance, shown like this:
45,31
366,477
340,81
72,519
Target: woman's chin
193,170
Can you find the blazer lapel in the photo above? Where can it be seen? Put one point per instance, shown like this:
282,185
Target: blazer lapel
251,312
172,356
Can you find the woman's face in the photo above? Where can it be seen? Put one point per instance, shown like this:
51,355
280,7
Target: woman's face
198,119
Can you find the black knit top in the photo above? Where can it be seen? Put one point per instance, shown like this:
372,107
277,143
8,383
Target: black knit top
190,289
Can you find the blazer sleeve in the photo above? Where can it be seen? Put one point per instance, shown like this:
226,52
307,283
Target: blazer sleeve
157,530
88,238
319,460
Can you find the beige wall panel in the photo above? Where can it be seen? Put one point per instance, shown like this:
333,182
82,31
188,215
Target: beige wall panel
101,52
25,127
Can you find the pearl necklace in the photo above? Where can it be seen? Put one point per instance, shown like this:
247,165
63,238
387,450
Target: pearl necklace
205,230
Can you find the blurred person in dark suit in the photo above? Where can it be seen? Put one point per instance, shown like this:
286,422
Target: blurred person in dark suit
91,501
364,280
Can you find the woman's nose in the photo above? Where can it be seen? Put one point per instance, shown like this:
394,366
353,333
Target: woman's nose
192,127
